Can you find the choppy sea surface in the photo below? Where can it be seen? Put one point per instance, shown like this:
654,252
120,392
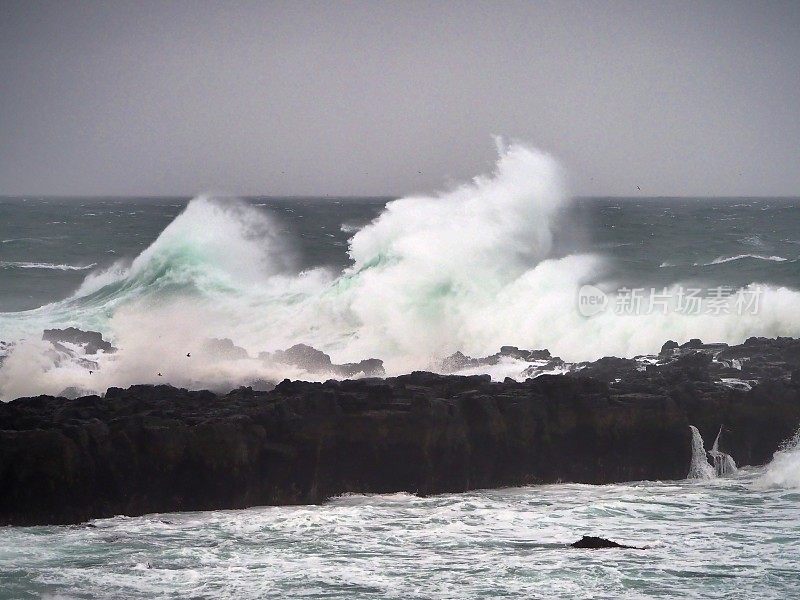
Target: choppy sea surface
499,260
721,538
49,245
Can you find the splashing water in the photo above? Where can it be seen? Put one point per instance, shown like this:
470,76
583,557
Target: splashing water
699,467
705,539
784,470
469,269
723,463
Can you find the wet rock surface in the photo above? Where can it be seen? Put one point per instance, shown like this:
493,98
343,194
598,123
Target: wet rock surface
91,342
159,448
312,360
597,543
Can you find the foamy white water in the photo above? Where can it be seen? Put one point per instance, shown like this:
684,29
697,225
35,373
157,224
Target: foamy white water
469,269
784,470
44,266
699,467
720,538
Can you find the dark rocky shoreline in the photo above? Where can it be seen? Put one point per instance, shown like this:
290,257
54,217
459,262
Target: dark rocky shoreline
159,448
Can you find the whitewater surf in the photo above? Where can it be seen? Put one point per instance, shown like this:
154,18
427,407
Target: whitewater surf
498,260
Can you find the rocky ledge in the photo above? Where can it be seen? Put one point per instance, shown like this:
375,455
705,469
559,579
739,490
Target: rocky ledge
159,448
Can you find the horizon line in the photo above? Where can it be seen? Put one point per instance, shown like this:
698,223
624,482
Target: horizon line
368,196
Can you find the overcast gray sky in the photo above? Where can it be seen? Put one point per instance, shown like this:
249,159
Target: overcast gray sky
355,98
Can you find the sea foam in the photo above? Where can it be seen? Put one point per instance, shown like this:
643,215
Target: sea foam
471,268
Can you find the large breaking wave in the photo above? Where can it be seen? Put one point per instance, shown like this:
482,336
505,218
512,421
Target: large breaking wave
468,269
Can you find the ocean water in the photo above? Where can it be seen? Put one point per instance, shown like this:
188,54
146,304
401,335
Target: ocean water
49,245
736,537
500,260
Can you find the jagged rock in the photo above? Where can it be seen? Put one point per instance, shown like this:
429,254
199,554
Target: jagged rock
223,348
371,367
315,361
554,364
457,362
606,369
92,342
692,344
528,355
668,348
159,448
594,543
303,356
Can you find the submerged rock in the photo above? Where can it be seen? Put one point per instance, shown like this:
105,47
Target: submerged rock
595,543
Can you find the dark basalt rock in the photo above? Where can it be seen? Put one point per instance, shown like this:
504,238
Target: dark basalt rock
607,368
669,348
528,355
595,543
159,448
312,360
92,342
458,361
692,344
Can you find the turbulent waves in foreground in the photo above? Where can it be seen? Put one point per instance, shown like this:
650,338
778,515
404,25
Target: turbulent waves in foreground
160,448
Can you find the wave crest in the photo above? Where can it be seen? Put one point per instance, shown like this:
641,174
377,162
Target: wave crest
726,259
44,266
467,269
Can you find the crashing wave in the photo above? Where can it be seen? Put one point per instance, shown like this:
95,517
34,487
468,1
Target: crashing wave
784,470
467,269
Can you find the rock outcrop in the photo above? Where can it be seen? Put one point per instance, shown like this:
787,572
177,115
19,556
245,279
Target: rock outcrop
312,360
160,448
591,542
91,342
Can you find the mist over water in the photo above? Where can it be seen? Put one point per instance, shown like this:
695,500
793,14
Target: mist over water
495,261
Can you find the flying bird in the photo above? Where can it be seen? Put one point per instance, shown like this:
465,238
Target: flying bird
188,355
